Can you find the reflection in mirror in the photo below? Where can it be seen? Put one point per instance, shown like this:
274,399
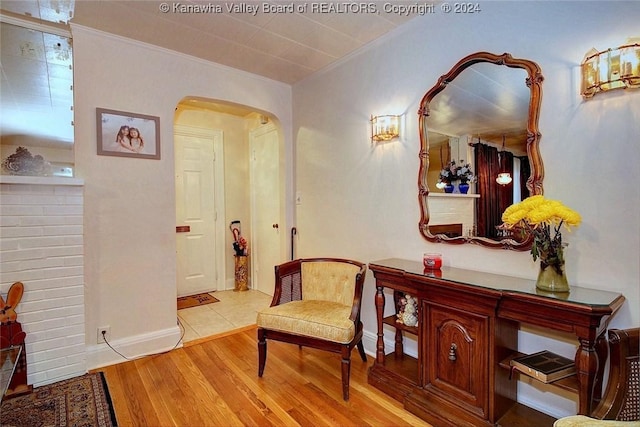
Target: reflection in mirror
487,117
36,104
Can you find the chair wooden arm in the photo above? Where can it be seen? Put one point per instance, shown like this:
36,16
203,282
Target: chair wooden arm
622,396
357,296
620,405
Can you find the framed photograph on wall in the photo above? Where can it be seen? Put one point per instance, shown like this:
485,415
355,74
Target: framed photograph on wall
128,134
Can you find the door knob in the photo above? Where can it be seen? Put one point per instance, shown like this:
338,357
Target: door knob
275,225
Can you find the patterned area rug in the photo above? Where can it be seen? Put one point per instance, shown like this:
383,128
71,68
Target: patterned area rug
82,402
194,300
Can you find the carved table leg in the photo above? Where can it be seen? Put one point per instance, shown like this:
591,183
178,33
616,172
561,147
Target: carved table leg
591,358
380,316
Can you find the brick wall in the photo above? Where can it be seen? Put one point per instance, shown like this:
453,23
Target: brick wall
41,245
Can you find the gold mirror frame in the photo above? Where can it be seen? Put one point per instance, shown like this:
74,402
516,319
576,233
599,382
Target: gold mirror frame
534,182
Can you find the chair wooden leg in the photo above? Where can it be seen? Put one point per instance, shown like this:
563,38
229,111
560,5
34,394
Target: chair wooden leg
363,355
346,371
262,351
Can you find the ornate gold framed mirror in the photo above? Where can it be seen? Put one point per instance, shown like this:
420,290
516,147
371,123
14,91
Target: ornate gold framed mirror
487,117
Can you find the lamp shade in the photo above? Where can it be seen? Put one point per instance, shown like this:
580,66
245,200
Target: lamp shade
385,128
617,68
504,178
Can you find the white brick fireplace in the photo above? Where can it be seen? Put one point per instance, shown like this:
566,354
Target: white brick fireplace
41,245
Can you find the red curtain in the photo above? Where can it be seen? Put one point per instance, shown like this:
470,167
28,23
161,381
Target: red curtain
494,198
525,173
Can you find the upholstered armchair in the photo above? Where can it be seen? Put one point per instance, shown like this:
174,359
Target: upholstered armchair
316,303
620,404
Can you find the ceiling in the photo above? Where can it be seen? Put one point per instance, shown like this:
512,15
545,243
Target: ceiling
262,37
35,85
36,96
286,46
485,101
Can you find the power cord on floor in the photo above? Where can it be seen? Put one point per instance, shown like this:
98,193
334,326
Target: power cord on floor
182,332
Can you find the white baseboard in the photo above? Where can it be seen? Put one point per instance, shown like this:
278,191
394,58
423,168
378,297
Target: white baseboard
134,347
370,339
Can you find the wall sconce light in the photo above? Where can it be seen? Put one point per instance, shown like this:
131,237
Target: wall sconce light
385,128
617,68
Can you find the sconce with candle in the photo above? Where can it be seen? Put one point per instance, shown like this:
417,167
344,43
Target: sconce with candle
385,128
609,69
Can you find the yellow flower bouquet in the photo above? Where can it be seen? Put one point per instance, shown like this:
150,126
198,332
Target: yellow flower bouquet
544,218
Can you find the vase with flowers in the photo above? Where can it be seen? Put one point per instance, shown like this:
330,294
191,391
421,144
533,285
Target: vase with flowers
456,173
466,176
544,218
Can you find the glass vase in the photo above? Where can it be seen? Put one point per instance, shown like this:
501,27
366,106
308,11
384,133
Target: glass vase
552,277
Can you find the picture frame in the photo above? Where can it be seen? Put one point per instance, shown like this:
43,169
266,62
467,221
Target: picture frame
115,136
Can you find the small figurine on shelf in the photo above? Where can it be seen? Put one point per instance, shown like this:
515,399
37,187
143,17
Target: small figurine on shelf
410,315
402,303
407,313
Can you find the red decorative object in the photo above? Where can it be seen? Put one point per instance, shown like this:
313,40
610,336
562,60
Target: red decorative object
432,261
12,335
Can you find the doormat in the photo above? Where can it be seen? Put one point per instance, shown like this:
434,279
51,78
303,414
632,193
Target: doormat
80,401
195,300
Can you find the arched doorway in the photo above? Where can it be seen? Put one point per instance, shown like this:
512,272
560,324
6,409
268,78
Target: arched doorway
224,135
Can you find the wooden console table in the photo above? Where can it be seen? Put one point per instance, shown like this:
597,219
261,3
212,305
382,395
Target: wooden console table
468,332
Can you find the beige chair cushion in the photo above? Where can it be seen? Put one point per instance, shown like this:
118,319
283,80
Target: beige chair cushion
583,421
329,281
318,319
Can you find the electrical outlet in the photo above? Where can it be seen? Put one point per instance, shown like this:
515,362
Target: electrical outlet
103,332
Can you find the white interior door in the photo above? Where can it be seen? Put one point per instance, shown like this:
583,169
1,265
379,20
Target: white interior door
199,198
266,227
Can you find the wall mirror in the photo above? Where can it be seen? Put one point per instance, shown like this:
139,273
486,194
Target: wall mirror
484,112
36,107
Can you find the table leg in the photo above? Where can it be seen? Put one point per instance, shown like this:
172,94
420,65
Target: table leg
380,316
591,358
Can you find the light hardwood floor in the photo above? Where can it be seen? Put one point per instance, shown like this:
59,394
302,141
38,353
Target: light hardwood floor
214,382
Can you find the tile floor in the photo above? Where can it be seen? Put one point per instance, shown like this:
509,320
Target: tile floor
234,310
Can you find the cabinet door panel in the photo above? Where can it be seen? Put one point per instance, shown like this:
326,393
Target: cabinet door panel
458,364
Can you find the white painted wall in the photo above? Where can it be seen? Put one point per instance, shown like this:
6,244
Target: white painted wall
129,203
361,201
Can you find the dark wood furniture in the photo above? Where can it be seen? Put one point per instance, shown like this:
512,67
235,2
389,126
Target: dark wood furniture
316,303
449,230
621,400
467,333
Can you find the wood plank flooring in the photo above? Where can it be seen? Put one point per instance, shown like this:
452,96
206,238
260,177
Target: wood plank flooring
214,382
